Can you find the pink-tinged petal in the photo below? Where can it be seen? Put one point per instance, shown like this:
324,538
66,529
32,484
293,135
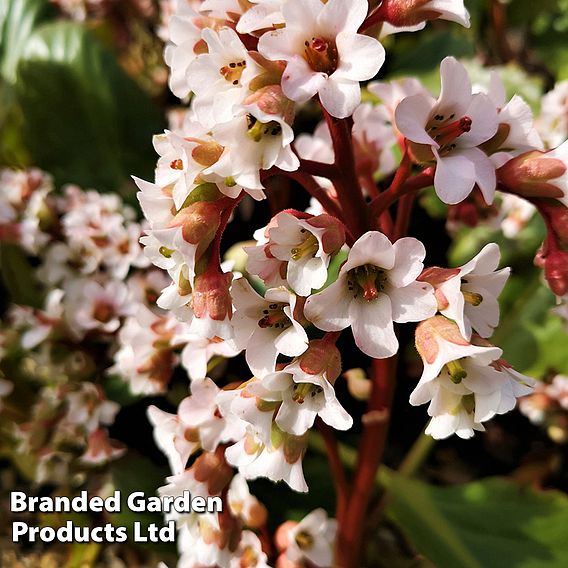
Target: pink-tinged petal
360,57
415,302
455,93
411,116
409,253
484,123
340,98
372,326
454,178
299,82
329,309
371,248
496,91
338,15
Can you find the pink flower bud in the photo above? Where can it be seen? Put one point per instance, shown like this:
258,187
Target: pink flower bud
282,536
200,222
334,236
271,100
211,295
532,175
428,332
403,13
436,276
321,357
555,265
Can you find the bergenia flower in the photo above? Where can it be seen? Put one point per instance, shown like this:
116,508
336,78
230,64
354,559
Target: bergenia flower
376,287
449,131
266,326
324,53
469,294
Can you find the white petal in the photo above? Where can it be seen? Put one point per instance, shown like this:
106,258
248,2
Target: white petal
409,253
372,327
454,178
299,82
340,97
329,309
360,57
411,116
415,302
338,15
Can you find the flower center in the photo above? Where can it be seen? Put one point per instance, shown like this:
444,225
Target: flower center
456,371
257,130
304,540
305,390
368,280
274,317
472,298
321,54
233,71
445,130
103,311
308,247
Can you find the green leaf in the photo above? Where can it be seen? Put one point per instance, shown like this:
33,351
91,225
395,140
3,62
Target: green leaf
18,19
86,122
18,277
492,523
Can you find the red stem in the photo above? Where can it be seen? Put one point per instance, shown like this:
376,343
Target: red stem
349,193
320,169
370,453
413,184
403,216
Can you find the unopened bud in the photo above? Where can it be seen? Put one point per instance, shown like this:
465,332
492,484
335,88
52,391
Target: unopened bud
211,295
404,13
211,469
334,236
282,536
321,357
200,222
534,174
433,329
555,264
271,100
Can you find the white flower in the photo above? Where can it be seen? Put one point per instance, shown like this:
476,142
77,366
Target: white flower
553,120
324,53
249,553
303,396
282,461
243,504
516,213
516,133
145,359
93,306
198,351
449,130
219,78
469,294
184,31
88,408
313,539
468,391
266,327
253,141
376,286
